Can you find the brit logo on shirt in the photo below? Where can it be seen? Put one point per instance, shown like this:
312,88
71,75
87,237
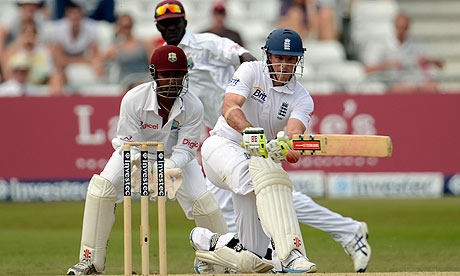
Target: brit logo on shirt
259,95
234,81
283,110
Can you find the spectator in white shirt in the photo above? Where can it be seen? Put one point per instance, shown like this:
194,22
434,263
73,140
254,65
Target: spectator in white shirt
401,63
76,42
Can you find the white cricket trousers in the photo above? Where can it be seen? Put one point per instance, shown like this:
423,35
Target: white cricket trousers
342,229
226,167
226,164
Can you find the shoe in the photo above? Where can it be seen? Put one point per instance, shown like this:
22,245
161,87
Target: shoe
359,249
84,267
300,264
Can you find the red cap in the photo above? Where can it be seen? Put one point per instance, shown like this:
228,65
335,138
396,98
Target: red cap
168,13
219,7
169,58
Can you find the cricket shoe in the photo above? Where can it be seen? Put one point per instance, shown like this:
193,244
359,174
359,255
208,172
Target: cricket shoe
359,249
84,267
297,263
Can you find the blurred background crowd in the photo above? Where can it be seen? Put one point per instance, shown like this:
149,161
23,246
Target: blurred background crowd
103,47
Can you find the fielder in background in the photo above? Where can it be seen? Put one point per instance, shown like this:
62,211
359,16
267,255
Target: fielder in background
162,110
212,59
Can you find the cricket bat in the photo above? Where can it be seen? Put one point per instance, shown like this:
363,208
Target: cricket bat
342,145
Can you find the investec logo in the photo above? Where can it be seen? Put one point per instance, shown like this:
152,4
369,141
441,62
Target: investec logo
145,174
160,168
259,95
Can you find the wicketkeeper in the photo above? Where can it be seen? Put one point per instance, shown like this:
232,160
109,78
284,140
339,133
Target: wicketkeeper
162,110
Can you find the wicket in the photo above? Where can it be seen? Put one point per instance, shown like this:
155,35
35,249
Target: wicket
144,190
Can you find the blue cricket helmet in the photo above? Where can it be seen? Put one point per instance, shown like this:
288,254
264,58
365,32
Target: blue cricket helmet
284,42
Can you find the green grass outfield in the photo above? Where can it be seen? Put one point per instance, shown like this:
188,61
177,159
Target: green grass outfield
406,235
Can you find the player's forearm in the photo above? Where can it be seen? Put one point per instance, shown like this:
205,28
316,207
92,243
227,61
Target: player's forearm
232,112
237,120
295,126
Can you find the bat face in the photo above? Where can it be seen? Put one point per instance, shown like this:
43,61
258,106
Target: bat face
342,145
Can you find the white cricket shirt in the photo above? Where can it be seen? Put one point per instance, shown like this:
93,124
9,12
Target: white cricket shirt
139,121
212,60
266,106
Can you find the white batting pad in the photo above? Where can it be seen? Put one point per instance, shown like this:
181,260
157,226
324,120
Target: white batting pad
243,261
98,220
207,213
276,211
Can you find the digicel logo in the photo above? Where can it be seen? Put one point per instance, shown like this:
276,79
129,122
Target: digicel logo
144,126
191,144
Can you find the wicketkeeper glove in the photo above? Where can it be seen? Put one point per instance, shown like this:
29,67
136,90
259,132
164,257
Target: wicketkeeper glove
278,148
254,141
173,177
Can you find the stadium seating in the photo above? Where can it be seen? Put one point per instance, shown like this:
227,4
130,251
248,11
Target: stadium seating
434,23
371,20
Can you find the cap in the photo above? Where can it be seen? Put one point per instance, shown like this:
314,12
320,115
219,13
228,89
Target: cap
169,58
219,7
18,61
169,9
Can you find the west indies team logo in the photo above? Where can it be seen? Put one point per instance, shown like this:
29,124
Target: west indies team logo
190,63
172,57
175,125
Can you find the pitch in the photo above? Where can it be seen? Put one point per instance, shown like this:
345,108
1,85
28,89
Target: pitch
406,235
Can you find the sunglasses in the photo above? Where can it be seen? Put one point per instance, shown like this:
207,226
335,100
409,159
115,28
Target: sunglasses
173,8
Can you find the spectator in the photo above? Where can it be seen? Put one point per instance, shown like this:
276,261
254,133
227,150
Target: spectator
401,63
130,54
76,44
312,19
18,85
218,27
94,9
39,58
11,23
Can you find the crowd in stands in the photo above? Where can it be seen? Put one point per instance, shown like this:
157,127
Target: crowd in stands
55,47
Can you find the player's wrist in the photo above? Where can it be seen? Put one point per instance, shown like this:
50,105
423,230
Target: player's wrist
252,130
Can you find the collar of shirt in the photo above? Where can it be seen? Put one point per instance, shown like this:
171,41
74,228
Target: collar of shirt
186,39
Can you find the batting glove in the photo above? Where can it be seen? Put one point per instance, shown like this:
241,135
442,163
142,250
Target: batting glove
278,148
254,141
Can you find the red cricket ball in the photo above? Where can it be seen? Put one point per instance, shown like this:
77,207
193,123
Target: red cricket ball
292,156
